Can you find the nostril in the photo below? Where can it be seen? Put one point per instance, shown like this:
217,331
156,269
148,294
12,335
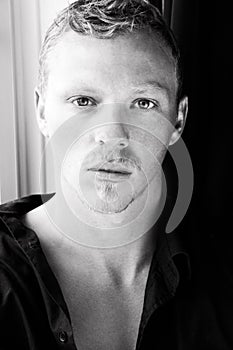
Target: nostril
123,143
101,142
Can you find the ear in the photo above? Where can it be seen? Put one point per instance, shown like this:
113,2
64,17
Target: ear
40,115
180,120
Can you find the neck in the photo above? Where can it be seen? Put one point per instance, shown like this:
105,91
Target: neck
123,251
119,266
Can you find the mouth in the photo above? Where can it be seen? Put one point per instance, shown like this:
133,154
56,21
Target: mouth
111,174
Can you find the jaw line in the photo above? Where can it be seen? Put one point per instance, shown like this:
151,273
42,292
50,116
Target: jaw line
96,211
111,212
126,208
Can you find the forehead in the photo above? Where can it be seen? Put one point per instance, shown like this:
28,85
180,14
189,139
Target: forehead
112,63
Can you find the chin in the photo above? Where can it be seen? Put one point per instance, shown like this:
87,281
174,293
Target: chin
103,207
113,209
113,204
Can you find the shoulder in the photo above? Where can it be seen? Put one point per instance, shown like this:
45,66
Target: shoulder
21,206
14,263
11,225
16,239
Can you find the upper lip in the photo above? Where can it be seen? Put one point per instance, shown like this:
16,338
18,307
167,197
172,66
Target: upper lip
112,169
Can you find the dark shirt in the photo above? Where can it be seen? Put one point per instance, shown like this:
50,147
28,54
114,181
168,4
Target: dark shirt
34,315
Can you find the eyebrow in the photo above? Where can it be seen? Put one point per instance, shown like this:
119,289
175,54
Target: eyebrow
85,88
140,88
151,84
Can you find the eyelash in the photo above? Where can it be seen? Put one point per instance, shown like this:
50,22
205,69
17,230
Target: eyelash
154,103
83,97
89,99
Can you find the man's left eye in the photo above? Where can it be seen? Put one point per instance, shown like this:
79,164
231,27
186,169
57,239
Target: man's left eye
145,104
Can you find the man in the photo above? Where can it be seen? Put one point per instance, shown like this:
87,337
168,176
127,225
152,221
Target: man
90,267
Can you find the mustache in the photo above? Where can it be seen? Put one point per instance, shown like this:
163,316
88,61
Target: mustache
98,161
123,163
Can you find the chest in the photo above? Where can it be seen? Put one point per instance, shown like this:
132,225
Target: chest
105,314
102,317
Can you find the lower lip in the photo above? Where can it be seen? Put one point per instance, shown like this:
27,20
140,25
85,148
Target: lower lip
115,177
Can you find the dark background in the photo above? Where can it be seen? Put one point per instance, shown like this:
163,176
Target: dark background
204,32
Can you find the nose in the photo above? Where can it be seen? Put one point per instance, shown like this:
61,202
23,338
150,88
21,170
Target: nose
113,133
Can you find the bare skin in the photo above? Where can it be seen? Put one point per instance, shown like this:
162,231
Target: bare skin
103,288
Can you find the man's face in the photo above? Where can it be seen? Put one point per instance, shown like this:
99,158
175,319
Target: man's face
120,95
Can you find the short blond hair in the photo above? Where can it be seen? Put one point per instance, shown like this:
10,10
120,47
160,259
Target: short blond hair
105,19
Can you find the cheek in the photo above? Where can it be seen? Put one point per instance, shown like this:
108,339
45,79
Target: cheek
151,151
153,131
77,154
55,118
71,167
151,144
154,158
56,113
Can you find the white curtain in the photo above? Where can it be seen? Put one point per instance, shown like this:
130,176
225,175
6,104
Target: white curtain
22,26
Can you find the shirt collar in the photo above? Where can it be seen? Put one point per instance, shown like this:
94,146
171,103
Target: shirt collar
169,269
164,274
169,246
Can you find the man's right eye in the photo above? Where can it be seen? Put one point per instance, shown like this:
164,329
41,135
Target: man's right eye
83,101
